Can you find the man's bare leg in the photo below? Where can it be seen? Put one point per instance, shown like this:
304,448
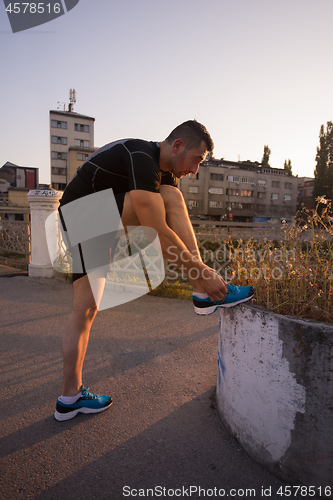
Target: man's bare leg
178,219
176,216
76,333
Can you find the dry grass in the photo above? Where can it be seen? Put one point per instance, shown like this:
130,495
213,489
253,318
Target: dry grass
175,290
293,277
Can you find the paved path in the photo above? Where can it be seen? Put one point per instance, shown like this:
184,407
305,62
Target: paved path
158,359
8,272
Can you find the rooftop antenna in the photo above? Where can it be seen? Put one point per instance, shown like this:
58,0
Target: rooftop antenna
61,105
72,100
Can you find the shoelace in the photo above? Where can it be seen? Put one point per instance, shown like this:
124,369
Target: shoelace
232,288
86,394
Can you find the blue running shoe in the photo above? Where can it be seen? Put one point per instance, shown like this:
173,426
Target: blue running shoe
236,295
87,403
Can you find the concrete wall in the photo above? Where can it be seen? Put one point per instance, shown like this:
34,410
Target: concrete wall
42,204
18,197
274,391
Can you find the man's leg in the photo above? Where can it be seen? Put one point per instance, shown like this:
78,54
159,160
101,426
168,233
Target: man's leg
178,219
76,334
77,330
74,398
176,216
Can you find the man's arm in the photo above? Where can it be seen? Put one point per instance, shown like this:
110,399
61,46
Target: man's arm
150,210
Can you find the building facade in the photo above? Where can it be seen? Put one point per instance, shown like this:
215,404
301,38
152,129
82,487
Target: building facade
240,191
305,197
71,142
15,183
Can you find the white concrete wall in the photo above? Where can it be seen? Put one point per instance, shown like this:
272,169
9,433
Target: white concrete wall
271,385
42,204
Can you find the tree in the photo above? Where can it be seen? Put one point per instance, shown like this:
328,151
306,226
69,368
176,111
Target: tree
265,157
287,166
323,174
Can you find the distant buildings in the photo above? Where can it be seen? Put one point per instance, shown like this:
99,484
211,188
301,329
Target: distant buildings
240,191
15,183
71,142
222,190
305,194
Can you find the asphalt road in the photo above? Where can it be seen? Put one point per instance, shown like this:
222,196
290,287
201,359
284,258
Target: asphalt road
161,438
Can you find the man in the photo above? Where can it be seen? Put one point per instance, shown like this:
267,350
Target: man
143,176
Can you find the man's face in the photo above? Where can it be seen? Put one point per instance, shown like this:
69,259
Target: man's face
186,161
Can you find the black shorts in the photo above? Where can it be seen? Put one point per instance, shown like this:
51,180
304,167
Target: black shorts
104,253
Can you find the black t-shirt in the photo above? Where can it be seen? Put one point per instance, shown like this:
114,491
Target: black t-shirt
123,165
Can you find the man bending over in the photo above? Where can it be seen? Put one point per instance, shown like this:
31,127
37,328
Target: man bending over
143,176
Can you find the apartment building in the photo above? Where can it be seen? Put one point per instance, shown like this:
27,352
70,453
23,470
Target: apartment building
15,183
305,193
240,191
71,142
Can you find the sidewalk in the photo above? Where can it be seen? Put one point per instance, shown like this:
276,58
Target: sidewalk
158,360
8,272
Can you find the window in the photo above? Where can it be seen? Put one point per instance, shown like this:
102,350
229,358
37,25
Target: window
232,192
81,143
275,184
287,210
193,189
58,186
274,208
82,156
232,178
308,192
81,128
276,172
248,180
215,204
58,140
261,195
216,177
234,206
275,196
288,185
58,124
192,203
215,190
261,208
248,206
58,171
287,197
262,183
246,192
56,155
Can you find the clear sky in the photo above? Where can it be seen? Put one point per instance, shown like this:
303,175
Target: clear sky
255,72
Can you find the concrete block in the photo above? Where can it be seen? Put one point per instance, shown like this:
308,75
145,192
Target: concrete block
275,391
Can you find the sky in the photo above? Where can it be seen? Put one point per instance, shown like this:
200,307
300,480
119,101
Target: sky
254,72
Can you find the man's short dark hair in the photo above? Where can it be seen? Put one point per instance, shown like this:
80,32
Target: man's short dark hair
192,134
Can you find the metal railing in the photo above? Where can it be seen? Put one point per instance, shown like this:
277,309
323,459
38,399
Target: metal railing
15,238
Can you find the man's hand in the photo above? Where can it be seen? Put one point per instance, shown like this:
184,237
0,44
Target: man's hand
211,283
